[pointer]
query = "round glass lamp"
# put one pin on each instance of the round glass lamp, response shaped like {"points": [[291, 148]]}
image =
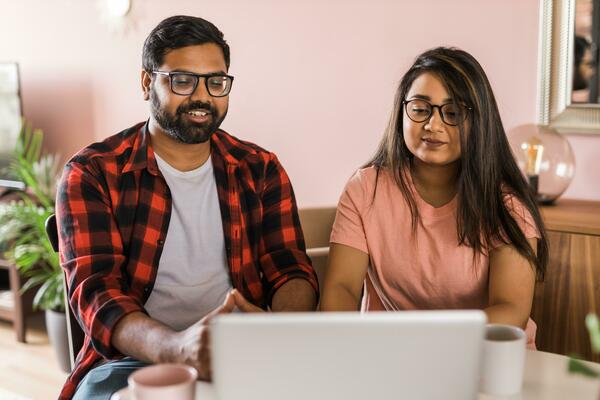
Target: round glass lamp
{"points": [[546, 159]]}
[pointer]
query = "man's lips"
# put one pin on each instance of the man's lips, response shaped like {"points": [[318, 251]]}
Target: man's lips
{"points": [[198, 115]]}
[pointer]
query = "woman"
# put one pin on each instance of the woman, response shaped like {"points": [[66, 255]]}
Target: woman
{"points": [[441, 217]]}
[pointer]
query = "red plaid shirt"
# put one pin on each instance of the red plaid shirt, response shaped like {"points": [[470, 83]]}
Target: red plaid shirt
{"points": [[113, 208]]}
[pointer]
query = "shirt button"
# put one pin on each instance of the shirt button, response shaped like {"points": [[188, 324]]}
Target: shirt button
{"points": [[160, 242]]}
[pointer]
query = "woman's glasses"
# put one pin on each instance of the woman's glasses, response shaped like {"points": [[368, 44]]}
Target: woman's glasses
{"points": [[421, 110]]}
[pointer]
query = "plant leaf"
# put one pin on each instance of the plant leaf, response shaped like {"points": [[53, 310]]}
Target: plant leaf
{"points": [[32, 282], [591, 322], [577, 367]]}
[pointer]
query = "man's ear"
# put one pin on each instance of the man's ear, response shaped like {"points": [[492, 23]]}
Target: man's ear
{"points": [[146, 82]]}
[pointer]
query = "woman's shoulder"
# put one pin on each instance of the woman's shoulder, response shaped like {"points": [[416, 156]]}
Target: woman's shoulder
{"points": [[364, 181], [367, 177], [369, 185], [357, 186], [365, 173]]}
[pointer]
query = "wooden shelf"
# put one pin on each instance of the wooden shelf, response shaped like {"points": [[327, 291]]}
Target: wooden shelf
{"points": [[18, 306], [573, 216], [7, 300], [4, 264]]}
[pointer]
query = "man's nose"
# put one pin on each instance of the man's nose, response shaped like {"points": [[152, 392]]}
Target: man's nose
{"points": [[201, 93]]}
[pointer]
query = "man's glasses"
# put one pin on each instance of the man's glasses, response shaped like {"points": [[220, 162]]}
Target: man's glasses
{"points": [[420, 111], [185, 83]]}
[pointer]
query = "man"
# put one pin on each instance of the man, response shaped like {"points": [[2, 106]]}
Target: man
{"points": [[172, 221]]}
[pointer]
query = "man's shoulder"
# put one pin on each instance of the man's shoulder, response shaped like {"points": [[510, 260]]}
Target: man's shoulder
{"points": [[241, 150], [113, 148]]}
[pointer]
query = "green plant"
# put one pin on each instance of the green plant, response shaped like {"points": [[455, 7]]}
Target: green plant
{"points": [[22, 223], [577, 366]]}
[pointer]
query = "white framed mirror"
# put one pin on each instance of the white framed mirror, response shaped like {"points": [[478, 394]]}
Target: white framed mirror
{"points": [[561, 107]]}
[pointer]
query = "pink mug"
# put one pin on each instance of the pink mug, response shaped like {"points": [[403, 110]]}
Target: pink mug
{"points": [[164, 381]]}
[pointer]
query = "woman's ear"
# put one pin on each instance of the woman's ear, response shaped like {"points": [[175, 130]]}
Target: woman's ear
{"points": [[146, 82]]}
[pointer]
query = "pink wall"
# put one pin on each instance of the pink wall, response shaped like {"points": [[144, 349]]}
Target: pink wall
{"points": [[314, 79]]}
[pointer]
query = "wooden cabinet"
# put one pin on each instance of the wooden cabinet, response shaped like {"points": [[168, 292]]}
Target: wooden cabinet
{"points": [[571, 288]]}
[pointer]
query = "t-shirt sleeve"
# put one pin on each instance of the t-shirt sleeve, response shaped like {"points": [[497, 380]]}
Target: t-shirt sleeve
{"points": [[522, 217], [348, 228]]}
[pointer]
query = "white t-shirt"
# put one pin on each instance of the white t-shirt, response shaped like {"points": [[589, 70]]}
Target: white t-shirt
{"points": [[193, 277]]}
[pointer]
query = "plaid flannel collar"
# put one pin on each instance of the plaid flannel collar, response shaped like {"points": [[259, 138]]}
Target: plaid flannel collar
{"points": [[142, 155]]}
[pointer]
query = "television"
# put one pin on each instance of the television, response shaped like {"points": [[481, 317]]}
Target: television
{"points": [[11, 117]]}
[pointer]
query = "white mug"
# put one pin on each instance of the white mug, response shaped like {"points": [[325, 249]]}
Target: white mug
{"points": [[503, 360], [164, 381]]}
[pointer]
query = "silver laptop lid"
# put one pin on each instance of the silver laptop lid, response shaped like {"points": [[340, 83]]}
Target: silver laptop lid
{"points": [[349, 356]]}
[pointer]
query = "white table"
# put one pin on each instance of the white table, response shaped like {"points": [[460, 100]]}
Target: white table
{"points": [[546, 378]]}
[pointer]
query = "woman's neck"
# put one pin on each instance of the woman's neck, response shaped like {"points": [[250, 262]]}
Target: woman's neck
{"points": [[436, 185]]}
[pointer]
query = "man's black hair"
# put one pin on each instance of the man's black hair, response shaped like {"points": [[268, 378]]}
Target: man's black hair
{"points": [[177, 32]]}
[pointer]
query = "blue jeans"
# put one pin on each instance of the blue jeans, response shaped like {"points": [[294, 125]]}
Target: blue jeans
{"points": [[102, 381]]}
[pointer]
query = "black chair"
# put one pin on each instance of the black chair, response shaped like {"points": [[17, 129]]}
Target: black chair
{"points": [[74, 331]]}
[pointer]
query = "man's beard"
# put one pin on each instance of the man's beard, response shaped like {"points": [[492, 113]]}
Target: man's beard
{"points": [[179, 128]]}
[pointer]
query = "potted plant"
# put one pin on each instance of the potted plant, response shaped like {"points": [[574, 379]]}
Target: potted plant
{"points": [[577, 366], [23, 236]]}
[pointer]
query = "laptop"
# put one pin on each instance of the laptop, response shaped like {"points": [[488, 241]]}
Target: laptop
{"points": [[348, 356]]}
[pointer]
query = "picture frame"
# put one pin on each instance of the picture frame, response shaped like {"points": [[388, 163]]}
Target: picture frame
{"points": [[555, 108]]}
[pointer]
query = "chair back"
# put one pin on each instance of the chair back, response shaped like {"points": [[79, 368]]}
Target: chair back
{"points": [[74, 332], [316, 225]]}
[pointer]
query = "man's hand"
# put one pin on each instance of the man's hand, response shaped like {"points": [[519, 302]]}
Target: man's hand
{"points": [[294, 295], [194, 342], [145, 339], [244, 305]]}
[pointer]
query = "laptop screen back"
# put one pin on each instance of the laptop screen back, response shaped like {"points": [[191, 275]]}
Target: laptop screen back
{"points": [[349, 356]]}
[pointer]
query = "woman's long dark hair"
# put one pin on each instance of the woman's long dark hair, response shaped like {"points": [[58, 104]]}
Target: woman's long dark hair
{"points": [[487, 169]]}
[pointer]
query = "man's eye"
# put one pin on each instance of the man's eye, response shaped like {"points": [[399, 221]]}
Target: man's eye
{"points": [[183, 80], [217, 81]]}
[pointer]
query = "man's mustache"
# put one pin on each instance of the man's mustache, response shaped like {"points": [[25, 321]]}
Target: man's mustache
{"points": [[185, 108]]}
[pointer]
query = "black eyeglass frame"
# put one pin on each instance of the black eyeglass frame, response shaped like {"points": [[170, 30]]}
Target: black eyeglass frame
{"points": [[197, 77], [439, 107]]}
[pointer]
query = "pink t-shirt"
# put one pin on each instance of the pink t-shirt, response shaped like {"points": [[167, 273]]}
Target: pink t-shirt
{"points": [[428, 271]]}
